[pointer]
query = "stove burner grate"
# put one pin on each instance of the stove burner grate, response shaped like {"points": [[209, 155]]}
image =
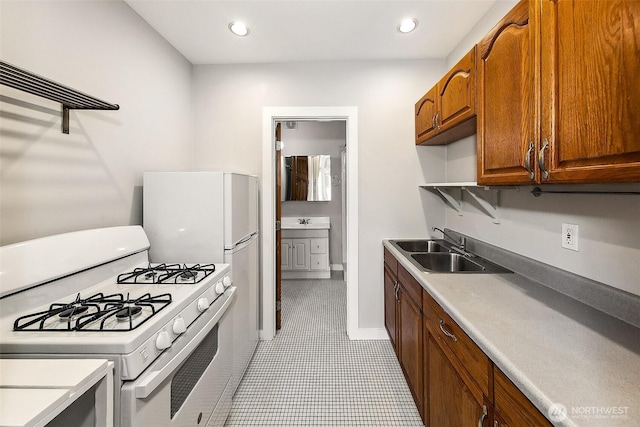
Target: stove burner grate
{"points": [[175, 274], [92, 314]]}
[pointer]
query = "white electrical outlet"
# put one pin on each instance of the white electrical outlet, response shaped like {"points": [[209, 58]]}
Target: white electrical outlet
{"points": [[570, 236]]}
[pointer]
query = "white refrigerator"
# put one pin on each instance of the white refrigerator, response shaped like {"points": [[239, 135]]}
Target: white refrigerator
{"points": [[210, 217]]}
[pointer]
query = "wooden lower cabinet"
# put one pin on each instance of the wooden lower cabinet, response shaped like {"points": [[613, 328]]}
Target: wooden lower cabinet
{"points": [[410, 337], [453, 382], [512, 408], [453, 401]]}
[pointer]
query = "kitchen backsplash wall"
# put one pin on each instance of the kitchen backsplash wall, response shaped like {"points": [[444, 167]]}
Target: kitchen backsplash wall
{"points": [[229, 101], [609, 231], [53, 183]]}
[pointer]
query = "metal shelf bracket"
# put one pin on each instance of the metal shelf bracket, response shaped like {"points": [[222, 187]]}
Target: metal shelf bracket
{"points": [[490, 207]]}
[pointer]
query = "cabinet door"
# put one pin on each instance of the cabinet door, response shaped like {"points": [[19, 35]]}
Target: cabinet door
{"points": [[285, 251], [300, 254], [410, 335], [425, 116], [457, 94], [390, 303], [453, 402], [590, 90], [506, 101]]}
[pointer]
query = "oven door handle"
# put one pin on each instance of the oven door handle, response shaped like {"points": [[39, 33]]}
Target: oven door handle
{"points": [[154, 378]]}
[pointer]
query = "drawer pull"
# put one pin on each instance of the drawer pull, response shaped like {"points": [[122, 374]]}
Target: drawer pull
{"points": [[447, 333], [483, 417]]}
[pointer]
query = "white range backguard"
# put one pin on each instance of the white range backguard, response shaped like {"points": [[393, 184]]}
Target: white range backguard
{"points": [[210, 217]]}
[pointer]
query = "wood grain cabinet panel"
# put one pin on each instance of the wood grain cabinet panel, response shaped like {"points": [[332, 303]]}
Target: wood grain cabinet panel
{"points": [[448, 111], [390, 304], [559, 97], [453, 402], [410, 342], [590, 91], [512, 408], [506, 101]]}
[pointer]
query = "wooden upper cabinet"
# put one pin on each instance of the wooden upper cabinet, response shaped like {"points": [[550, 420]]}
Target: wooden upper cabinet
{"points": [[506, 107], [426, 116], [457, 94], [559, 96], [590, 91], [448, 111]]}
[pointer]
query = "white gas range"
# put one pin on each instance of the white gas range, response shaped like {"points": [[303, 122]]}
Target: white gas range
{"points": [[94, 294]]}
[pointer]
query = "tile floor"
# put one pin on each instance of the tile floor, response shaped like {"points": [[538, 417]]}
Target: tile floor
{"points": [[312, 374]]}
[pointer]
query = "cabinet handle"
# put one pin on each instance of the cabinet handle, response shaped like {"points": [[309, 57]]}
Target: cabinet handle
{"points": [[483, 417], [496, 423], [543, 168], [447, 333], [397, 288], [527, 160], [436, 120]]}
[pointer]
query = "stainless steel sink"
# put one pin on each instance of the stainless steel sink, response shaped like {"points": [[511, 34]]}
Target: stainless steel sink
{"points": [[440, 256], [446, 262], [422, 245]]}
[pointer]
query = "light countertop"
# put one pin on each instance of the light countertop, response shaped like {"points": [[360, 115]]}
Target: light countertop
{"points": [[554, 348], [34, 391]]}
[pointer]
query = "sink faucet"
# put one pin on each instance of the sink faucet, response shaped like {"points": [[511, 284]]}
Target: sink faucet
{"points": [[304, 220], [461, 243]]}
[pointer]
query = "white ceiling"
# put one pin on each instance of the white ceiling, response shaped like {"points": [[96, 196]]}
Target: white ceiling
{"points": [[310, 30]]}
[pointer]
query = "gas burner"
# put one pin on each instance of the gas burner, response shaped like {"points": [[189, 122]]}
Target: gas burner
{"points": [[188, 275], [174, 274], [96, 313], [129, 312], [72, 313]]}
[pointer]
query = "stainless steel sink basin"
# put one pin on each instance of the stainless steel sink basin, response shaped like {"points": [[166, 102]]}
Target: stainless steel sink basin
{"points": [[446, 262], [422, 245], [440, 256]]}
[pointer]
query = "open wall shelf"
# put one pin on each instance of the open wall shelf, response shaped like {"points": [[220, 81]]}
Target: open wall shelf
{"points": [[70, 99], [451, 193]]}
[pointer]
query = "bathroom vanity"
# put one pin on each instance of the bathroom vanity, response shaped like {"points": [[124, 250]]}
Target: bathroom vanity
{"points": [[305, 248]]}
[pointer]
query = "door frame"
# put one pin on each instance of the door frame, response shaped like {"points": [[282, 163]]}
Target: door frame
{"points": [[268, 291]]}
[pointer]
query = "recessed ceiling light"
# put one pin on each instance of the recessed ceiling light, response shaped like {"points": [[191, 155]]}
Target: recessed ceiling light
{"points": [[239, 29], [407, 25]]}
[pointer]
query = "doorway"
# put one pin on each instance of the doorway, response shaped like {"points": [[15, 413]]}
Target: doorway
{"points": [[272, 115], [309, 176]]}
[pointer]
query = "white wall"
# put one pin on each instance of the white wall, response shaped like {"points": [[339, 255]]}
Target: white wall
{"points": [[327, 138], [609, 237], [53, 183], [228, 103]]}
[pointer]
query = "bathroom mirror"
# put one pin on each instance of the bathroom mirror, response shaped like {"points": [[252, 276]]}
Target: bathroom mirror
{"points": [[307, 178]]}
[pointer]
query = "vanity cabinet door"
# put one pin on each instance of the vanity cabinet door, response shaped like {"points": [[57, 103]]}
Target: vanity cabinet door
{"points": [[300, 258], [285, 251]]}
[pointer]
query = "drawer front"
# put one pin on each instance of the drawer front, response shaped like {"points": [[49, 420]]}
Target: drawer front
{"points": [[411, 285], [318, 246], [391, 262], [319, 262], [442, 326], [513, 406]]}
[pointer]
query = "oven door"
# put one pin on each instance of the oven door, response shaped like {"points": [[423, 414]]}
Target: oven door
{"points": [[184, 385]]}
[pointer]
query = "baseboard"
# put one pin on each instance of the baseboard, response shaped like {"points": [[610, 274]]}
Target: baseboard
{"points": [[336, 267], [369, 334]]}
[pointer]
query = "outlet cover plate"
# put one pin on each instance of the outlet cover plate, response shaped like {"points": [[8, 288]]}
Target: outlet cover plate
{"points": [[570, 236]]}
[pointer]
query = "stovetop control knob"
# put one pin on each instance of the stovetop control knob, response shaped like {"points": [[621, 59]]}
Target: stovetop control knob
{"points": [[219, 288], [163, 341], [203, 304], [226, 281], [178, 326]]}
